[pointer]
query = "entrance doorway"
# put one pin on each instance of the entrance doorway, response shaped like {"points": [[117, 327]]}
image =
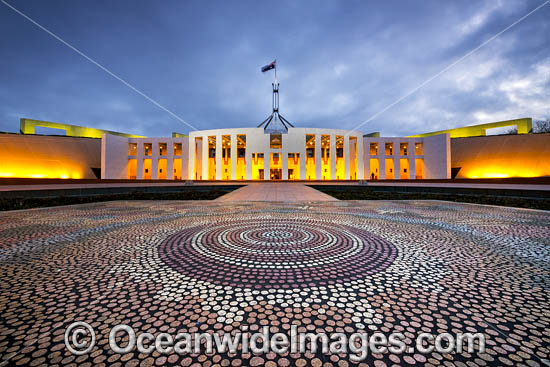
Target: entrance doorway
{"points": [[276, 174]]}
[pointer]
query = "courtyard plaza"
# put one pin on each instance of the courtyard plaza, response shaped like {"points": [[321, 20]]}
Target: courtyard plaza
{"points": [[320, 264]]}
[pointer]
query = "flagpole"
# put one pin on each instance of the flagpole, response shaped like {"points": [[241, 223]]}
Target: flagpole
{"points": [[275, 71]]}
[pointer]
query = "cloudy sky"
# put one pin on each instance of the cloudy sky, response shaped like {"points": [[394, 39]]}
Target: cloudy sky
{"points": [[340, 63]]}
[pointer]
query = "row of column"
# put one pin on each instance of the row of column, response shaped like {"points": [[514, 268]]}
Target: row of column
{"points": [[299, 147]]}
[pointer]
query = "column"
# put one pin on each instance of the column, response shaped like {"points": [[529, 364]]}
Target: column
{"points": [[333, 157], [284, 157], [139, 161], [382, 162], [190, 158], [155, 160], [396, 165], [303, 159], [412, 165], [318, 164], [248, 163], [266, 165], [366, 159], [347, 153], [233, 156], [360, 158]]}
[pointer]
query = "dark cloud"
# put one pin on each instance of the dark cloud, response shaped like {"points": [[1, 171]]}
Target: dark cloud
{"points": [[340, 63]]}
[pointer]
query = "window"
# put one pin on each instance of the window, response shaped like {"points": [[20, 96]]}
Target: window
{"points": [[419, 149], [275, 141], [389, 148], [147, 149], [403, 148], [132, 149], [162, 149], [373, 148], [177, 148]]}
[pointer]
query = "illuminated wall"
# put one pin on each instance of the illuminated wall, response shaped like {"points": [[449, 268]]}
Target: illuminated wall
{"points": [[212, 157], [275, 166], [374, 169], [419, 168], [524, 126], [226, 157], [501, 156], [27, 126], [162, 166], [240, 171], [325, 157], [36, 156], [198, 158], [177, 169], [293, 166], [310, 158], [132, 168], [340, 159], [257, 166]]}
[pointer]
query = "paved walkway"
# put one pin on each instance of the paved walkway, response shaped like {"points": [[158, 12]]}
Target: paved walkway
{"points": [[283, 191]]}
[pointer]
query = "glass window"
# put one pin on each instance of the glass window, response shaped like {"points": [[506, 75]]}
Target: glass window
{"points": [[177, 148], [162, 149], [404, 148], [373, 148], [389, 148], [147, 149], [275, 141]]}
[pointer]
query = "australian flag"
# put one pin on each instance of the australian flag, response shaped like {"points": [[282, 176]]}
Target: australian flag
{"points": [[269, 67]]}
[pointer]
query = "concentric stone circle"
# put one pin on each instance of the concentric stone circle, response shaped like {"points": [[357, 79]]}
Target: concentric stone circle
{"points": [[276, 253]]}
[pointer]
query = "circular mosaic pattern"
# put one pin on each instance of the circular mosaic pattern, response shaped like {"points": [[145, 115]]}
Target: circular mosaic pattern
{"points": [[459, 268], [276, 253]]}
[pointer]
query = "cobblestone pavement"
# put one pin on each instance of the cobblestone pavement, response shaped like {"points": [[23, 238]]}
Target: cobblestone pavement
{"points": [[342, 266]]}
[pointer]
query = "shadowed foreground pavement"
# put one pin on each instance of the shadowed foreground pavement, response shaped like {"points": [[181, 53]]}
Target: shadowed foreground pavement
{"points": [[168, 266]]}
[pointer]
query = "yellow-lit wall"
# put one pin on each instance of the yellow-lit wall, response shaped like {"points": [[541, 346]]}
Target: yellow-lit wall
{"points": [[502, 156], [35, 156], [257, 165], [294, 165], [374, 169], [340, 168], [275, 163], [404, 167], [211, 168], [162, 165], [226, 168], [325, 164], [177, 169], [419, 168], [241, 169], [147, 169], [524, 125], [310, 169], [390, 171], [132, 168], [27, 126]]}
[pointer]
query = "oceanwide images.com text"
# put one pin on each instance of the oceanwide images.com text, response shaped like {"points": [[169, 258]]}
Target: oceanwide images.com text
{"points": [[80, 339]]}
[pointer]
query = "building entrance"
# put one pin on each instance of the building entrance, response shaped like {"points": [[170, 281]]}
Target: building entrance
{"points": [[276, 174]]}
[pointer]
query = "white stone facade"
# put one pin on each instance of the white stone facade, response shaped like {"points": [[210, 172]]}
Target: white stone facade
{"points": [[299, 154]]}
